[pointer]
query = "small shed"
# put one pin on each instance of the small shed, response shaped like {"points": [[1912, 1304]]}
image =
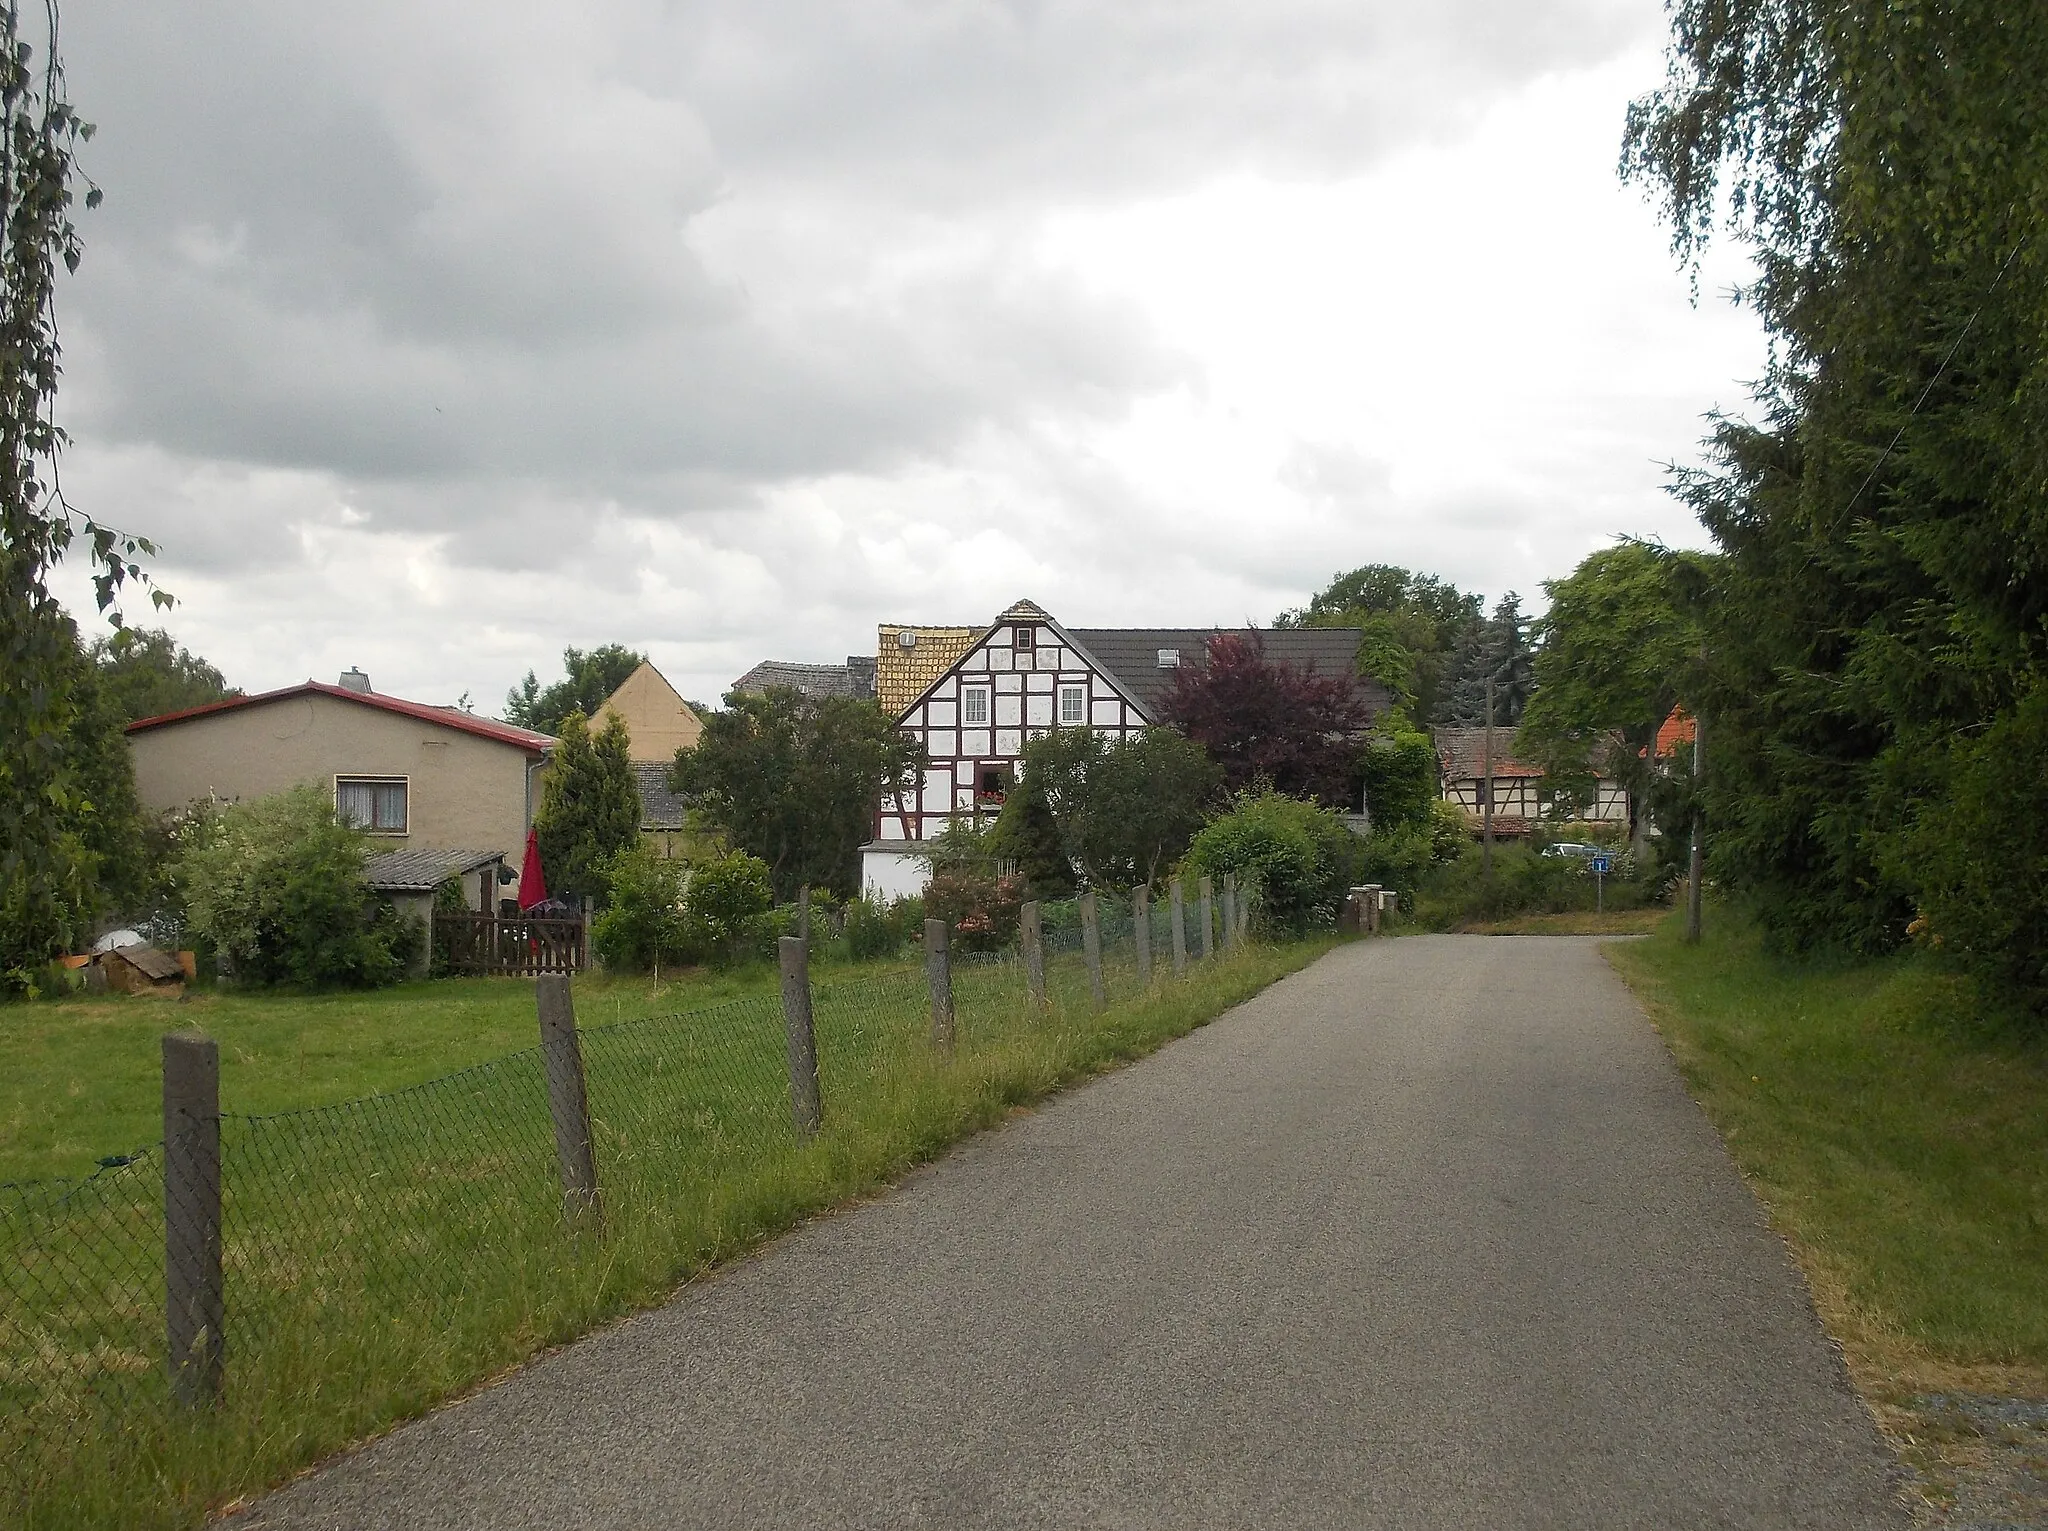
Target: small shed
{"points": [[142, 970], [410, 877]]}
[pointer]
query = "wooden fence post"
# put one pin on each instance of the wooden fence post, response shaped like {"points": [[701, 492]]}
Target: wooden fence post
{"points": [[1180, 929], [1031, 936], [1230, 911], [1207, 887], [561, 1057], [1091, 947], [938, 972], [1141, 932], [195, 1308], [803, 1041]]}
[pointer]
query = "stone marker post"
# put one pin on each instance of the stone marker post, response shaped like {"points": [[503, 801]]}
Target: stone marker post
{"points": [[1208, 901], [803, 1042], [1031, 937], [561, 1060], [1091, 947], [195, 1308], [938, 972]]}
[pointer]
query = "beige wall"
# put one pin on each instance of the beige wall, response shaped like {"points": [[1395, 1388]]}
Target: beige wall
{"points": [[465, 792], [658, 719]]}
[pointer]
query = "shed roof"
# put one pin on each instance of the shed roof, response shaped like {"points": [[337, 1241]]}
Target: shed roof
{"points": [[422, 869], [527, 739], [149, 961]]}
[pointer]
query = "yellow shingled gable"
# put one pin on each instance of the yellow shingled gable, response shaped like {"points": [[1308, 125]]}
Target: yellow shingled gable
{"points": [[901, 674]]}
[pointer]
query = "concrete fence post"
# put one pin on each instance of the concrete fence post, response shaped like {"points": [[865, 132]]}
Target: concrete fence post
{"points": [[1372, 908], [195, 1307], [938, 972], [803, 1042], [1031, 937], [561, 1058], [1230, 911], [1245, 895], [1180, 928], [1091, 947], [1141, 932], [1208, 901], [803, 914]]}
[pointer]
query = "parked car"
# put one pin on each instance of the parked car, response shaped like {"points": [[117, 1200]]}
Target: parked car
{"points": [[1573, 849]]}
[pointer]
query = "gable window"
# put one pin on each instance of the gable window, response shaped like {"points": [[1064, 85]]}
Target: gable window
{"points": [[1023, 638], [974, 707], [1073, 705], [375, 803]]}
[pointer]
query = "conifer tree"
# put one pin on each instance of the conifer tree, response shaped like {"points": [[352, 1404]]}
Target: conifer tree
{"points": [[590, 807]]}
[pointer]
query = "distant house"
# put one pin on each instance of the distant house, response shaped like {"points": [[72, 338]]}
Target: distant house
{"points": [[972, 697], [415, 777], [1521, 796], [855, 678], [659, 724]]}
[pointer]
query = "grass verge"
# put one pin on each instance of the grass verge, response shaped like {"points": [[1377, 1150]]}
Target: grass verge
{"points": [[1899, 1137], [383, 1255], [1614, 922]]}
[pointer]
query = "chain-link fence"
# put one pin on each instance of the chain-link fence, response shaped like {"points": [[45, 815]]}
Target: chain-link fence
{"points": [[379, 1253]]}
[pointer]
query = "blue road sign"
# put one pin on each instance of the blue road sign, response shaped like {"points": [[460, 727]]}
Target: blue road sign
{"points": [[1602, 866]]}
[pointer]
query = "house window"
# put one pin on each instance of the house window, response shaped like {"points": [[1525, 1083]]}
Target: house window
{"points": [[991, 785], [1073, 705], [375, 803], [974, 707], [1023, 638]]}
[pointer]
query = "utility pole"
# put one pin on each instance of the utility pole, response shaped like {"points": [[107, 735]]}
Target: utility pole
{"points": [[1696, 866]]}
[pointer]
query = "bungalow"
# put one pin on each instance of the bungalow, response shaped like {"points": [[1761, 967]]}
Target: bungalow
{"points": [[413, 776], [972, 697], [1520, 796]]}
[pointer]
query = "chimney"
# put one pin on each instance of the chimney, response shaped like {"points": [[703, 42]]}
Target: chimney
{"points": [[354, 680]]}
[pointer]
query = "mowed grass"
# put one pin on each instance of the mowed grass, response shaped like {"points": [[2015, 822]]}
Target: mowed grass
{"points": [[383, 1255], [84, 1076], [1586, 922], [1898, 1134]]}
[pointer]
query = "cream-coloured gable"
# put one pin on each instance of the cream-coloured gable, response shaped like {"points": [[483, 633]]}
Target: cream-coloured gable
{"points": [[658, 720]]}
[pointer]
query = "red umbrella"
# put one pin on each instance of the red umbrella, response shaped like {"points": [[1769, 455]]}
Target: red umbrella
{"points": [[533, 887]]}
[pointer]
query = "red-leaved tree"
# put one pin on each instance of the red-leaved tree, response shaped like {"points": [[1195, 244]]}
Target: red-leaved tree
{"points": [[1258, 719]]}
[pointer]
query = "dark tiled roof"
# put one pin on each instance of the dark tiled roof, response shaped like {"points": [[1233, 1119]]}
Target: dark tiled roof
{"points": [[855, 678], [659, 807], [1131, 655], [422, 869], [448, 717]]}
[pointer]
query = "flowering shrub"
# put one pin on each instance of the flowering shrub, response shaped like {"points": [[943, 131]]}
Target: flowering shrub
{"points": [[982, 908]]}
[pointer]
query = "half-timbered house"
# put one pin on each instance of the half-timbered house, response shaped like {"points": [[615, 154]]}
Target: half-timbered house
{"points": [[1521, 794], [972, 698]]}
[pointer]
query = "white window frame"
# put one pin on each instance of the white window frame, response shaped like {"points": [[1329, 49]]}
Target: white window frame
{"points": [[403, 783], [972, 696], [1078, 695]]}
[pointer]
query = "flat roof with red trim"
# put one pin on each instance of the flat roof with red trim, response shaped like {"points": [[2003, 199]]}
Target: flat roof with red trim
{"points": [[484, 728]]}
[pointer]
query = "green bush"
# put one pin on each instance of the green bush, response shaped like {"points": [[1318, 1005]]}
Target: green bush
{"points": [[1527, 882], [875, 929], [725, 909], [276, 885], [1400, 771], [1299, 857], [643, 923]]}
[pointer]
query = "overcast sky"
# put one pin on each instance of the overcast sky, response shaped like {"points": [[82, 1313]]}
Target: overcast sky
{"points": [[431, 338]]}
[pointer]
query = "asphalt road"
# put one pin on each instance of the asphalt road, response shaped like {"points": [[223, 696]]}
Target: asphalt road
{"points": [[1429, 1235]]}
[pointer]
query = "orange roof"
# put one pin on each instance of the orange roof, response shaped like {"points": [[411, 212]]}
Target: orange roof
{"points": [[1676, 733], [448, 717]]}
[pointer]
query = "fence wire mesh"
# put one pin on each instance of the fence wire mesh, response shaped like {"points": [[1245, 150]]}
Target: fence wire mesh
{"points": [[383, 1251]]}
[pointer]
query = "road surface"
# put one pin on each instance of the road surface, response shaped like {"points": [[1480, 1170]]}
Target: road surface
{"points": [[1428, 1235]]}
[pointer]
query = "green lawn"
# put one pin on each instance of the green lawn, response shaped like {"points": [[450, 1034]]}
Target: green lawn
{"points": [[384, 1253], [1898, 1135], [84, 1076]]}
